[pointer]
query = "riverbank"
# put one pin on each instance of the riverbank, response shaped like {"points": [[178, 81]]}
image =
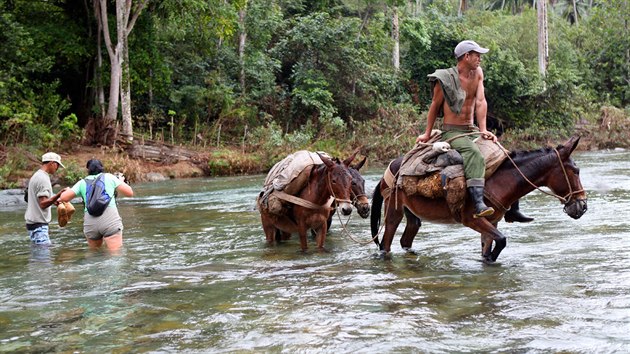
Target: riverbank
{"points": [[610, 131]]}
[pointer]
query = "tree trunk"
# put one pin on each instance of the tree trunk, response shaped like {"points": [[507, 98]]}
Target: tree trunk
{"points": [[575, 14], [123, 8], [463, 5], [120, 86], [396, 38], [242, 36], [98, 70], [418, 9], [543, 45]]}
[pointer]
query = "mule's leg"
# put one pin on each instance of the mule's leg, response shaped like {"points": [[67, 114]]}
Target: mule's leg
{"points": [[303, 244], [411, 230], [268, 228], [499, 245], [321, 236], [393, 217], [486, 247], [489, 233]]}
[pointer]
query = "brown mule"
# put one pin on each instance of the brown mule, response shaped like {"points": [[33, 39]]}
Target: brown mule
{"points": [[331, 179], [552, 168]]}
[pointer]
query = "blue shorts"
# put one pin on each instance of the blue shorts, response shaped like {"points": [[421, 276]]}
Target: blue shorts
{"points": [[39, 235]]}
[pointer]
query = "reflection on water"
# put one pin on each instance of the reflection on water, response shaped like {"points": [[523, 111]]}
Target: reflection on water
{"points": [[196, 275]]}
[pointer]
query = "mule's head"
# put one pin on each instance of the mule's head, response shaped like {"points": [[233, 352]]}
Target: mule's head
{"points": [[339, 182], [359, 198], [564, 180]]}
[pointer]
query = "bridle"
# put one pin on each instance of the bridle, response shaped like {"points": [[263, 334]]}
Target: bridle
{"points": [[355, 198], [332, 192], [565, 199]]}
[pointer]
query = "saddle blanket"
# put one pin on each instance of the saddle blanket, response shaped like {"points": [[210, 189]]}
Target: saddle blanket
{"points": [[290, 174]]}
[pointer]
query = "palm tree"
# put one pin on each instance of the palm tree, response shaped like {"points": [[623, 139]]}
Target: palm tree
{"points": [[572, 10]]}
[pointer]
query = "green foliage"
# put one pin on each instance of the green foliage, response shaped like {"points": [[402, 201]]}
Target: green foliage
{"points": [[9, 168], [72, 173], [313, 74], [606, 46], [34, 54], [439, 35]]}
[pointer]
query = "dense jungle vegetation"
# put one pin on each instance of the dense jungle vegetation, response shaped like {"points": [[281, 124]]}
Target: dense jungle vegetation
{"points": [[268, 77]]}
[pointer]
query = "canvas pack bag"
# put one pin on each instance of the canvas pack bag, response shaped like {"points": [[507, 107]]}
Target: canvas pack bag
{"points": [[96, 197]]}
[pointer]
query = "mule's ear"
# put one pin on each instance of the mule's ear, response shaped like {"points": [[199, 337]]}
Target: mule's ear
{"points": [[328, 162], [360, 164], [572, 144], [348, 161]]}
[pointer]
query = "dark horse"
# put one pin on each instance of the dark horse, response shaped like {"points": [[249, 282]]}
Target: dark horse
{"points": [[552, 168], [330, 179], [359, 198]]}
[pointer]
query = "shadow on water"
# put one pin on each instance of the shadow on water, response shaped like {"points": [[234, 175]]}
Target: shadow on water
{"points": [[195, 275]]}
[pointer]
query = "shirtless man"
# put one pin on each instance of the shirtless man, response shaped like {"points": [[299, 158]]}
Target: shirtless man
{"points": [[460, 104]]}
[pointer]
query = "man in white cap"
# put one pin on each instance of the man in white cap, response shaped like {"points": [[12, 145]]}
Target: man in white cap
{"points": [[40, 198], [460, 98]]}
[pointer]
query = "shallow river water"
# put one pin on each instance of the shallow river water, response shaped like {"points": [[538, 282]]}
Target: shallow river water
{"points": [[195, 275]]}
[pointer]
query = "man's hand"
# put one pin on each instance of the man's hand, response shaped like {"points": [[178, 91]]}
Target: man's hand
{"points": [[423, 138], [489, 136]]}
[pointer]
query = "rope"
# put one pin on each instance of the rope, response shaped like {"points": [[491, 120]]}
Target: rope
{"points": [[344, 225], [564, 199]]}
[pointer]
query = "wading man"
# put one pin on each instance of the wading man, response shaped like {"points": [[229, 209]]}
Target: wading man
{"points": [[40, 198]]}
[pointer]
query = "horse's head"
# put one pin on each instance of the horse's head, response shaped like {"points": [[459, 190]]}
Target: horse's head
{"points": [[359, 198], [564, 180], [339, 182]]}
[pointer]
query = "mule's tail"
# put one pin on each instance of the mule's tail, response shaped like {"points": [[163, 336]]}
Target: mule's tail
{"points": [[375, 213]]}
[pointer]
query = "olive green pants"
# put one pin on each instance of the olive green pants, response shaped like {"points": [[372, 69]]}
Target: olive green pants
{"points": [[474, 163]]}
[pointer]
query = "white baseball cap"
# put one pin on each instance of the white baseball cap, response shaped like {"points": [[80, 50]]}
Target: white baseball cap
{"points": [[469, 46], [52, 157]]}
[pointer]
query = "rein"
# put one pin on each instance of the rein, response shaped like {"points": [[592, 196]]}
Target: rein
{"points": [[564, 199]]}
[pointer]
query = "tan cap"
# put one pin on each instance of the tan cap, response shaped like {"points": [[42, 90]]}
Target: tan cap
{"points": [[51, 156]]}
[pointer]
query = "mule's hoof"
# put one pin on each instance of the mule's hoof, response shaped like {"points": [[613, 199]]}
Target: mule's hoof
{"points": [[488, 260], [380, 254], [410, 250]]}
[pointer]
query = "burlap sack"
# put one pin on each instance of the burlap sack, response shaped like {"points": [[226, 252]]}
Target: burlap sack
{"points": [[427, 186], [456, 195], [493, 155]]}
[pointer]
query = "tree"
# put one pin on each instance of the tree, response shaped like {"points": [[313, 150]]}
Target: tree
{"points": [[395, 38], [127, 13], [543, 37]]}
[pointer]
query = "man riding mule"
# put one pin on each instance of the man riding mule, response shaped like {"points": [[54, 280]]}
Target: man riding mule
{"points": [[519, 174], [458, 94], [299, 193]]}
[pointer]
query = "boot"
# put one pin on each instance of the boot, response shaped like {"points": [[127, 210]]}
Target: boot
{"points": [[481, 209], [515, 215]]}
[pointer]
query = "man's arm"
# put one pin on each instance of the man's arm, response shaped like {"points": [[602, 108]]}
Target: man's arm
{"points": [[481, 108], [46, 202], [436, 103]]}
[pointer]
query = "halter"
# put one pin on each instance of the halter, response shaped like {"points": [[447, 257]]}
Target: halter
{"points": [[332, 192], [355, 197], [344, 225], [563, 200]]}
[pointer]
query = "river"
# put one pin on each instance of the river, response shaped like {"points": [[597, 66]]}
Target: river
{"points": [[195, 275]]}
